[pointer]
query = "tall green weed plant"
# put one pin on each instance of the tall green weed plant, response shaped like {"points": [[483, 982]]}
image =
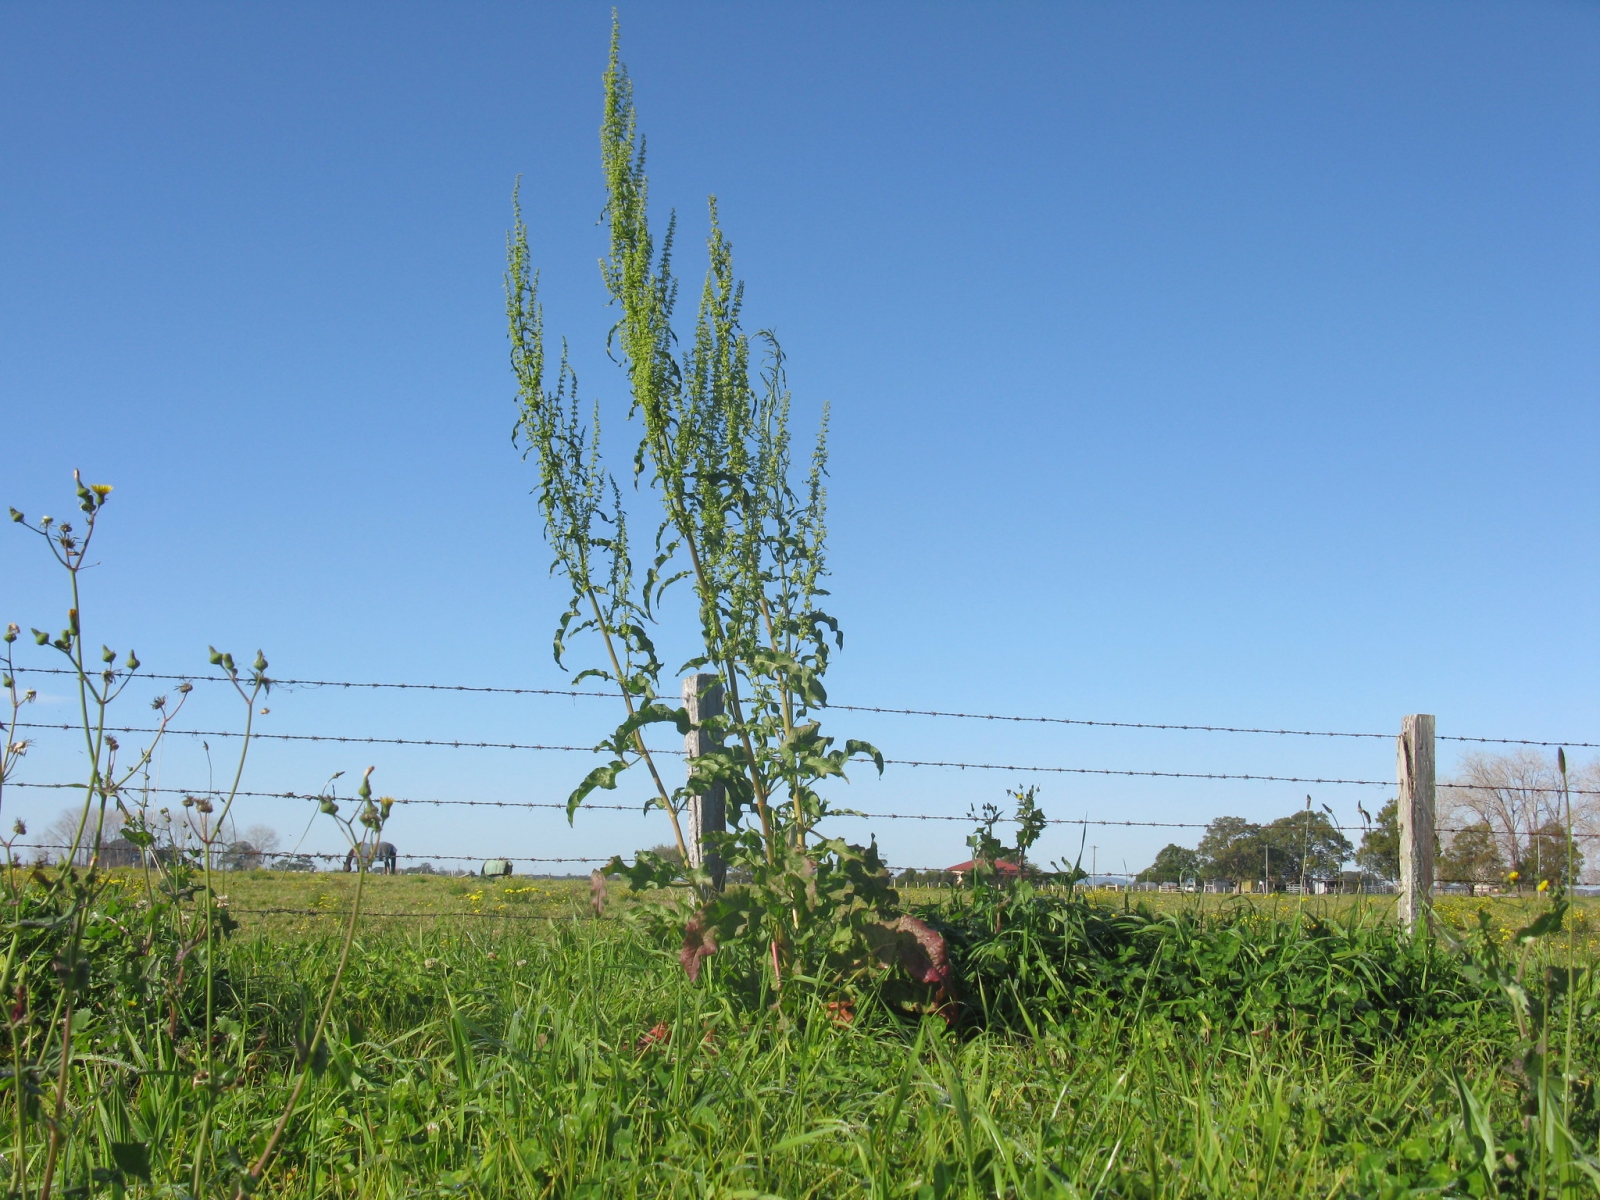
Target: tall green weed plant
{"points": [[745, 531]]}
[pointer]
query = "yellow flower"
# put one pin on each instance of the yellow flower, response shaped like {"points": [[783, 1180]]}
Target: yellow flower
{"points": [[100, 489], [1514, 876], [1544, 885]]}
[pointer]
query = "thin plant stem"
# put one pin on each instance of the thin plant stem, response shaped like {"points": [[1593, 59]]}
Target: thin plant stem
{"points": [[264, 1160]]}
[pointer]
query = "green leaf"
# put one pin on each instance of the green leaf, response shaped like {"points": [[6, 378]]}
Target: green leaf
{"points": [[1543, 925], [1479, 1129], [852, 747], [649, 714], [649, 871], [601, 777], [132, 1158]]}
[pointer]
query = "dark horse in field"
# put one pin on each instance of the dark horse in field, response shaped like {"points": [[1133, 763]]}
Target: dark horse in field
{"points": [[380, 856]]}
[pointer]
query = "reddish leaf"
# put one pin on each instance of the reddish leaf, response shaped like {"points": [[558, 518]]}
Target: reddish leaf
{"points": [[699, 944], [922, 952]]}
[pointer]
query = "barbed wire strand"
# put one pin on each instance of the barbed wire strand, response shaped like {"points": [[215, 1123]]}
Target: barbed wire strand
{"points": [[644, 810], [865, 708], [1316, 781]]}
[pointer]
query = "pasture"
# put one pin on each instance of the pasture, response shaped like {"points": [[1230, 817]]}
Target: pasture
{"points": [[491, 1038]]}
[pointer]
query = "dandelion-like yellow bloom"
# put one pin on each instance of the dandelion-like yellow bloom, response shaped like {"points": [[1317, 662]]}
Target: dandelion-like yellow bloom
{"points": [[1514, 876], [100, 489], [1544, 885]]}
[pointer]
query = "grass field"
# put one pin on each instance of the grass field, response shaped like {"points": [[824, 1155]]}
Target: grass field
{"points": [[519, 897], [536, 1051]]}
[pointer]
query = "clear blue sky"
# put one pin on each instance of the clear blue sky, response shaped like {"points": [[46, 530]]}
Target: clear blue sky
{"points": [[1229, 363]]}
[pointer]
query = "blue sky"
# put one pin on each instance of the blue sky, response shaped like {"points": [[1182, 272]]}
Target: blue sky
{"points": [[1228, 364]]}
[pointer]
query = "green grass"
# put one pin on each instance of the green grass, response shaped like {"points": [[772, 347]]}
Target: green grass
{"points": [[478, 1056]]}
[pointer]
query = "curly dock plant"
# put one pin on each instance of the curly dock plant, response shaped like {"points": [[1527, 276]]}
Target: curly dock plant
{"points": [[747, 531]]}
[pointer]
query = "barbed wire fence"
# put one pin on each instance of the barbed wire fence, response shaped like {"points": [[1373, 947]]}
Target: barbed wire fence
{"points": [[1084, 822]]}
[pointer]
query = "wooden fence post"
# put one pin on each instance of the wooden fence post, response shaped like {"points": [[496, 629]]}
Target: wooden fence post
{"points": [[702, 698], [1414, 763]]}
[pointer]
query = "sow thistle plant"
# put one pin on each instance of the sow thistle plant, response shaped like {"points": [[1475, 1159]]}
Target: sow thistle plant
{"points": [[747, 536], [95, 973]]}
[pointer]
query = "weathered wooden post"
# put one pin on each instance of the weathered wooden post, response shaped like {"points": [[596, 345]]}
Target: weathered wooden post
{"points": [[1414, 764], [702, 698]]}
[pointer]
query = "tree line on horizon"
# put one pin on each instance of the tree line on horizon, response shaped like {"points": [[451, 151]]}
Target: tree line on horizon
{"points": [[1503, 814]]}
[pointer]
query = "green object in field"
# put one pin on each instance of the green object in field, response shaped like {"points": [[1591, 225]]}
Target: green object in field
{"points": [[496, 866]]}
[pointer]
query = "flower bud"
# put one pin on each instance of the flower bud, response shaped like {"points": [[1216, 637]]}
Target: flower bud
{"points": [[12, 631], [329, 807], [16, 516], [41, 637], [47, 521], [261, 661], [107, 654], [72, 620], [19, 827], [133, 661], [365, 790], [215, 657]]}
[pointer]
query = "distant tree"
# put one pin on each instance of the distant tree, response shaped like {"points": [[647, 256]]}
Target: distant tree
{"points": [[1545, 856], [1473, 856], [1380, 846], [1173, 864], [242, 855], [264, 838], [1518, 795], [1305, 846], [60, 834], [1231, 849]]}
